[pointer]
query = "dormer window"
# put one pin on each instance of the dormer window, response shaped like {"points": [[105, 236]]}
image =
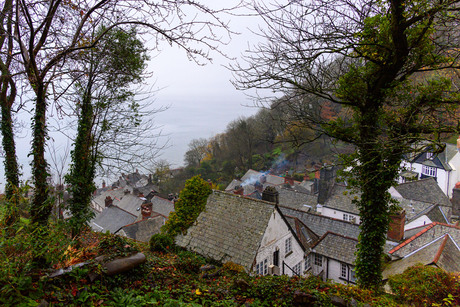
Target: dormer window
{"points": [[429, 156]]}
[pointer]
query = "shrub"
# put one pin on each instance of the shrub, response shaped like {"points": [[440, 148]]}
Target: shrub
{"points": [[233, 267], [424, 285], [161, 243], [189, 262], [116, 246], [191, 202]]}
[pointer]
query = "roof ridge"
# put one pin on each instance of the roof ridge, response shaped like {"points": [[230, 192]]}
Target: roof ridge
{"points": [[441, 248], [319, 215], [162, 198], [245, 197], [123, 210], [332, 233], [428, 227], [414, 181]]}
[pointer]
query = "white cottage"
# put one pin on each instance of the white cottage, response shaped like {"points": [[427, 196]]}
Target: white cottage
{"points": [[443, 167], [333, 257], [248, 232]]}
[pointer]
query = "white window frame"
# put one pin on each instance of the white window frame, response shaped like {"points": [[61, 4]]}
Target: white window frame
{"points": [[288, 245], [318, 260], [346, 217], [343, 270], [297, 268], [307, 262], [429, 155], [429, 171], [262, 267]]}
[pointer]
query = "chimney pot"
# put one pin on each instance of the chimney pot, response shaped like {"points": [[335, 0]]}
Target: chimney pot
{"points": [[270, 194]]}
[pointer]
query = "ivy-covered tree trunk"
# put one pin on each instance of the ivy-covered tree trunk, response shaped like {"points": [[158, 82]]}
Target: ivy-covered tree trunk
{"points": [[82, 171], [11, 163], [7, 97], [375, 173], [41, 205]]}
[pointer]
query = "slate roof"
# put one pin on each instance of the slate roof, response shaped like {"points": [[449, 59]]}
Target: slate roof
{"points": [[112, 219], [424, 236], [162, 206], [252, 176], [440, 160], [295, 199], [425, 190], [321, 224], [306, 235], [335, 246], [229, 229], [341, 199], [441, 252], [148, 188], [143, 229], [115, 194], [417, 196], [131, 203], [434, 212]]}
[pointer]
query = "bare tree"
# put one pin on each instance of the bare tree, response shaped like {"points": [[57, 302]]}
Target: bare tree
{"points": [[387, 64], [47, 33], [197, 150]]}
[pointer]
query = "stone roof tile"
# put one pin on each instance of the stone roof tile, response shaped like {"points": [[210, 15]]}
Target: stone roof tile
{"points": [[229, 229]]}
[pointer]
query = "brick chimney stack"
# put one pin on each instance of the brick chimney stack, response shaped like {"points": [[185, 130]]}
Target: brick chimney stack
{"points": [[146, 210], [108, 201], [396, 227], [103, 184], [239, 190], [456, 199]]}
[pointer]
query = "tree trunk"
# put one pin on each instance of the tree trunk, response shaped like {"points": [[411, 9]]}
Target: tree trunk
{"points": [[82, 172], [11, 163], [41, 206]]}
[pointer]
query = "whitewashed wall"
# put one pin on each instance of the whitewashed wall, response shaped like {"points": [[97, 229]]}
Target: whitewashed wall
{"points": [[274, 237], [337, 214]]}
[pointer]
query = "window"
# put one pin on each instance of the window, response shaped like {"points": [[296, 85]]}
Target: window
{"points": [[429, 155], [276, 258], [262, 267], [318, 260], [343, 270], [429, 171], [346, 217], [297, 268], [307, 262], [352, 275], [288, 245]]}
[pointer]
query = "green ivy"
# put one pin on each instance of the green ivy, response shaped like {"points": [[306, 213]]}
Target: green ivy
{"points": [[192, 201]]}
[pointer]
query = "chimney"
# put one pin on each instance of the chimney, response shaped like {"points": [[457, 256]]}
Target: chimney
{"points": [[396, 226], [458, 143], [289, 180], [325, 183], [263, 179], [108, 201], [146, 210], [239, 190], [103, 184], [456, 199], [271, 194], [259, 187]]}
